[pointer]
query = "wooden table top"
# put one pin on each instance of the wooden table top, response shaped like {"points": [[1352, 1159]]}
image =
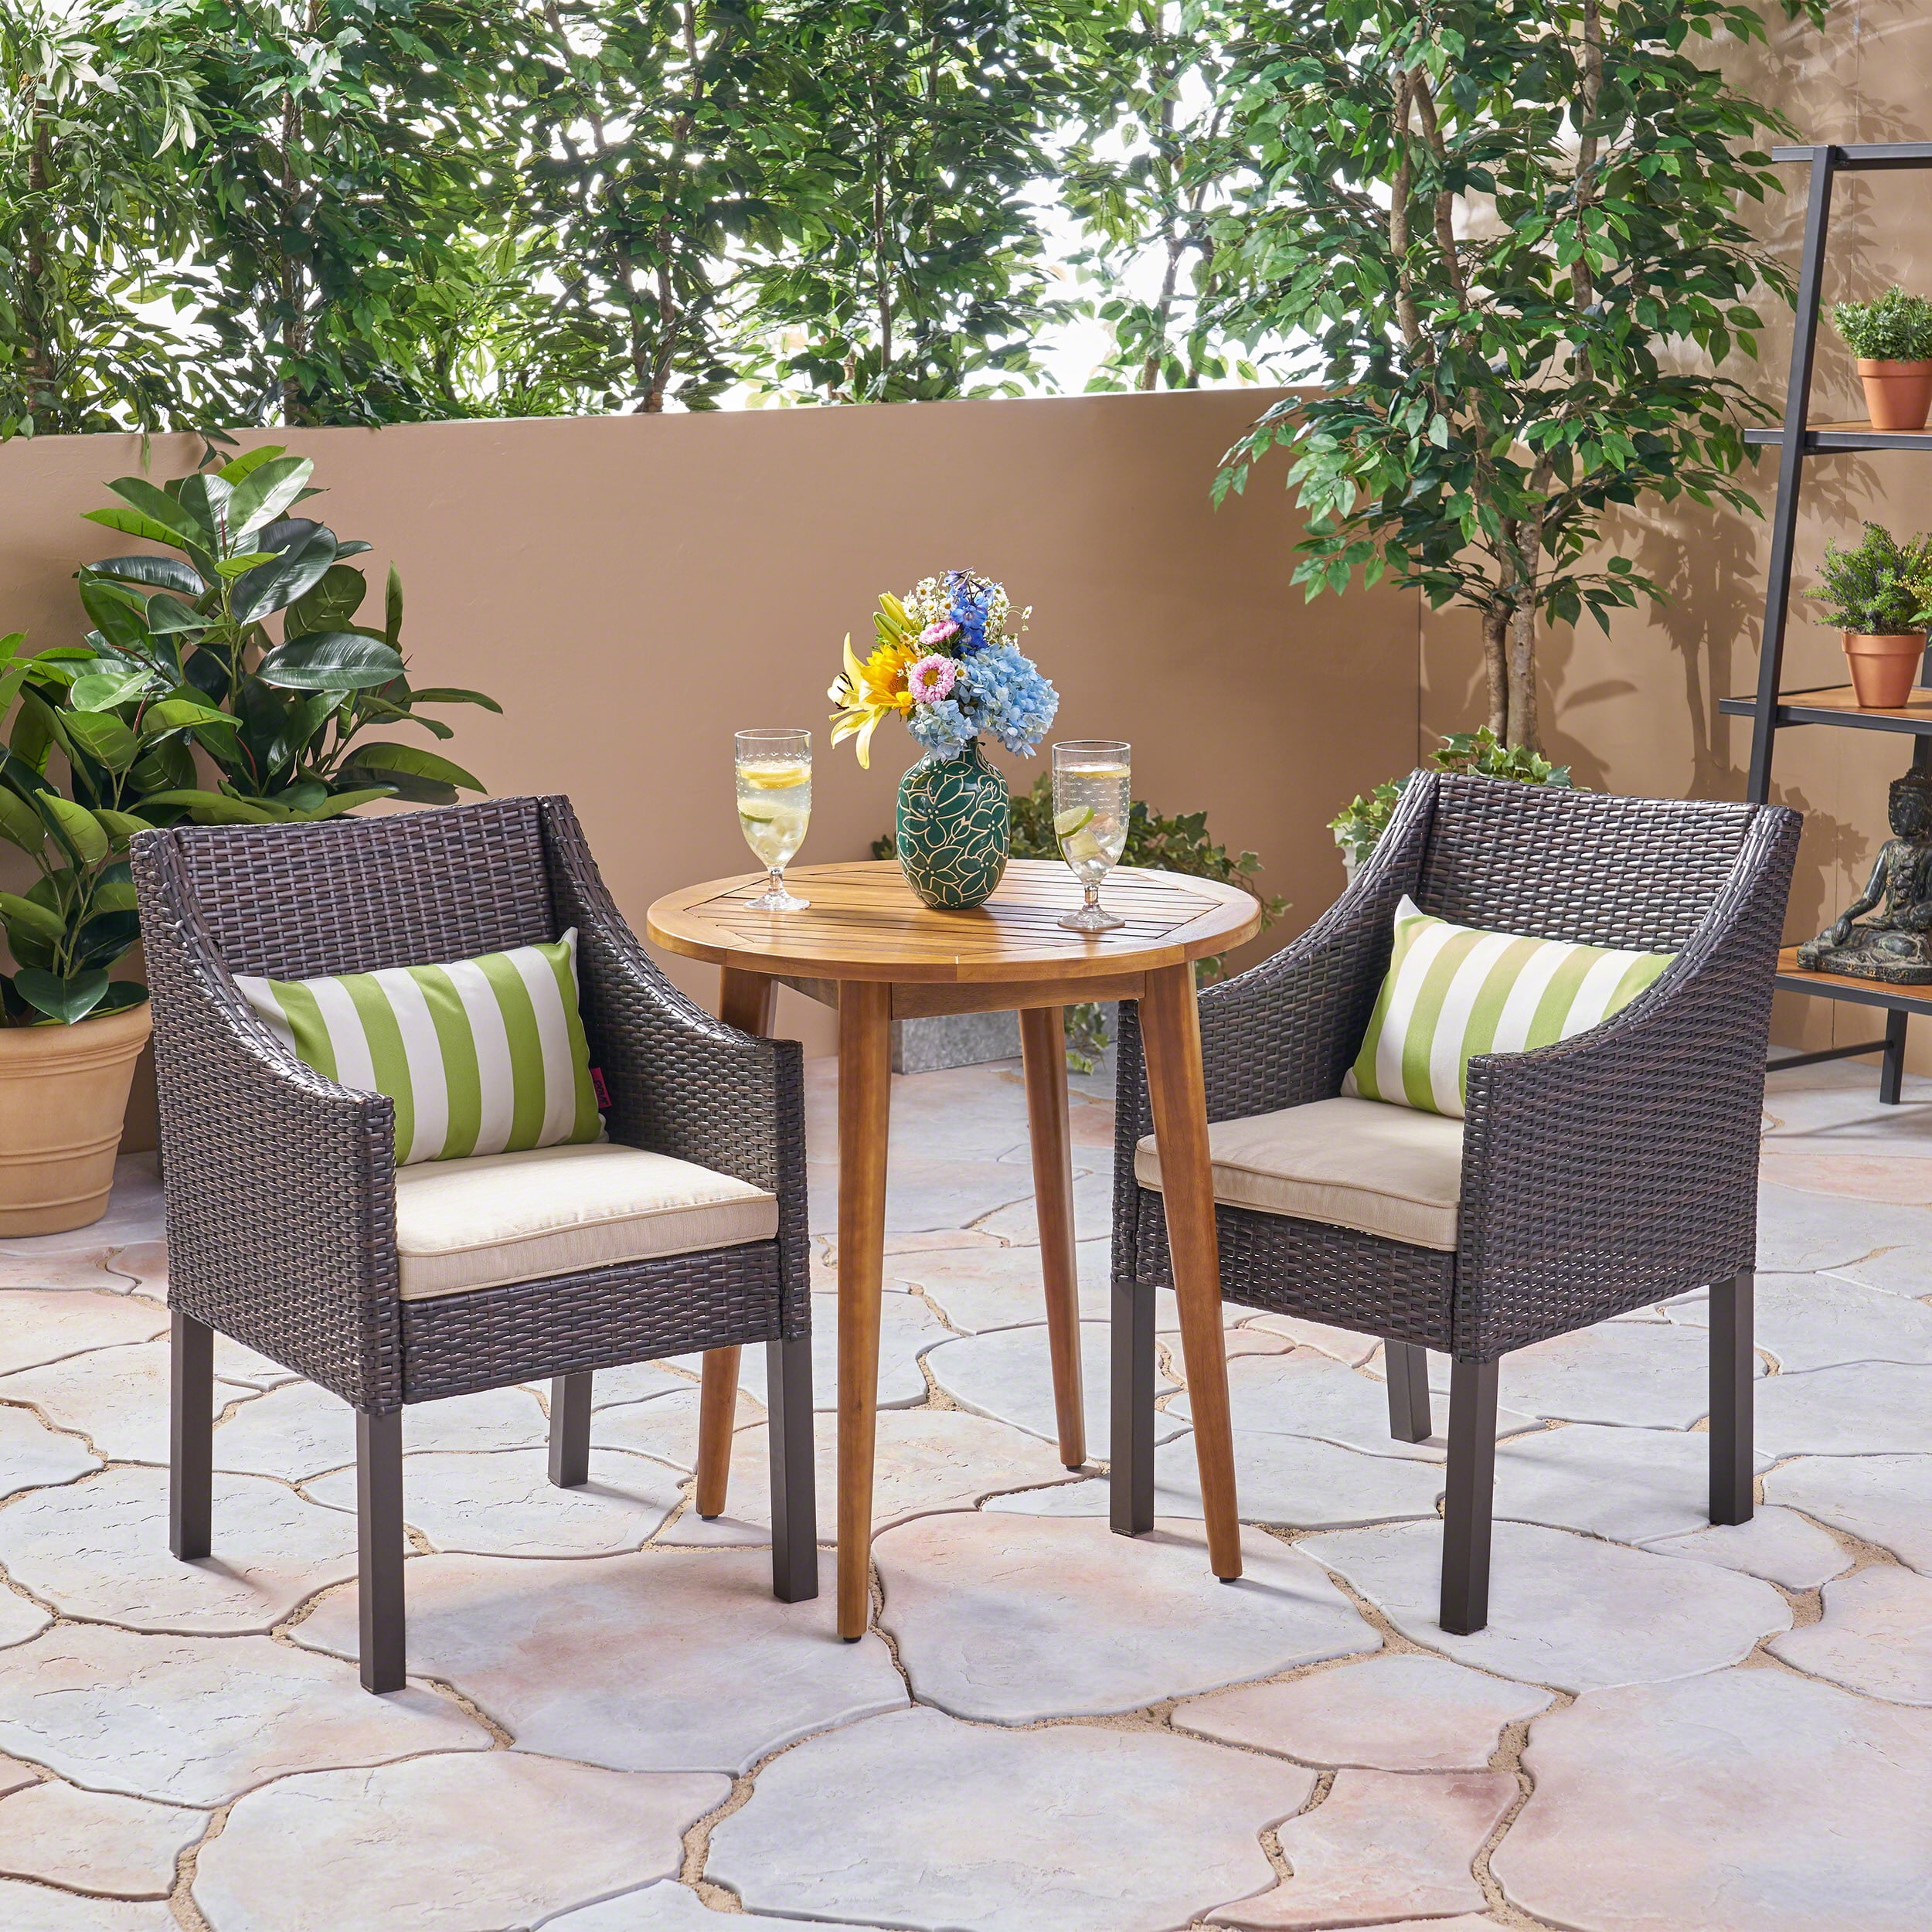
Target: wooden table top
{"points": [[865, 923]]}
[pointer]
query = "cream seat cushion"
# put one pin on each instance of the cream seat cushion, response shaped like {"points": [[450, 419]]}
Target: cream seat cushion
{"points": [[1394, 1172], [491, 1218]]}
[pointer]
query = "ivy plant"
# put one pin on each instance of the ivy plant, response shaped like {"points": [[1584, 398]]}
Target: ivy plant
{"points": [[186, 658]]}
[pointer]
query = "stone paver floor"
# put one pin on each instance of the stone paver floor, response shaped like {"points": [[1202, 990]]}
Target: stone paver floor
{"points": [[612, 1727]]}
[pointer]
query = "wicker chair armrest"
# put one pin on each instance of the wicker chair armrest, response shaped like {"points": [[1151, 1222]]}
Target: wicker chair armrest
{"points": [[280, 1183], [1617, 1166]]}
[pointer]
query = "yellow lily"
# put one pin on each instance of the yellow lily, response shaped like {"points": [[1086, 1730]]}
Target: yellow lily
{"points": [[868, 692]]}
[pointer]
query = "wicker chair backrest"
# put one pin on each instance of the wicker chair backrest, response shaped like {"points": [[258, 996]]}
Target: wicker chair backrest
{"points": [[351, 895], [1640, 873]]}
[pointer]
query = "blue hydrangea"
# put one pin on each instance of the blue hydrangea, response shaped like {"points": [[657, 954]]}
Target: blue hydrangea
{"points": [[942, 728], [1003, 693]]}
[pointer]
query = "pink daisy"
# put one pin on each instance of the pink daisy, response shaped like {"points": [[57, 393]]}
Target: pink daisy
{"points": [[931, 679]]}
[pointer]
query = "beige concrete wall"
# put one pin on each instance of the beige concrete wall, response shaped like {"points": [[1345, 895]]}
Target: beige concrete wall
{"points": [[634, 589], [1638, 711]]}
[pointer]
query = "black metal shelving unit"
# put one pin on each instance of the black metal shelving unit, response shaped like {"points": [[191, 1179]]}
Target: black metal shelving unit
{"points": [[1773, 710]]}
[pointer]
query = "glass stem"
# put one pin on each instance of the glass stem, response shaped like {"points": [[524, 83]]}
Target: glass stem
{"points": [[777, 881], [1093, 894]]}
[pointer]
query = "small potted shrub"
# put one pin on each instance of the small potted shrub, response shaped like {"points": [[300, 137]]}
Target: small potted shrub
{"points": [[71, 1032], [1892, 339], [1875, 594]]}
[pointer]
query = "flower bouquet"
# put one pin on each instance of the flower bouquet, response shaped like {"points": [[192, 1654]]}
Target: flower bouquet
{"points": [[946, 664]]}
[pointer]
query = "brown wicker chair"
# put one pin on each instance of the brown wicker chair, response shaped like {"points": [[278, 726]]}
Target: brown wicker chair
{"points": [[1597, 1175], [281, 1189]]}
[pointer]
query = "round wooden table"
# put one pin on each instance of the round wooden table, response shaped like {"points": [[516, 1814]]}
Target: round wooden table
{"points": [[869, 948]]}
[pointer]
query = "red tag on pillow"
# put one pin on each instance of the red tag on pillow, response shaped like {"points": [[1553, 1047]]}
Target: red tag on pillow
{"points": [[602, 1092]]}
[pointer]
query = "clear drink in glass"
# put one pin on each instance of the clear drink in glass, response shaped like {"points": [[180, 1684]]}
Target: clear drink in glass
{"points": [[1092, 792], [774, 806]]}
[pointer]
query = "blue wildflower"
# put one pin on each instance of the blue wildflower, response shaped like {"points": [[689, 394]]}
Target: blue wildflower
{"points": [[942, 727], [1003, 692], [971, 597]]}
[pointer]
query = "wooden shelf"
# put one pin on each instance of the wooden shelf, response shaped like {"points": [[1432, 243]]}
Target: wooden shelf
{"points": [[1836, 705], [1819, 436], [1863, 154], [1792, 978]]}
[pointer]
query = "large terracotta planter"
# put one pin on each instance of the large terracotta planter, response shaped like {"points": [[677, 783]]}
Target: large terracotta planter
{"points": [[1884, 669], [1898, 395], [63, 1092]]}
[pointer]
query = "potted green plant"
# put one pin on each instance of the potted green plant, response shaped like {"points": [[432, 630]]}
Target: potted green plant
{"points": [[1362, 822], [281, 717], [1892, 339], [1875, 594], [71, 1032]]}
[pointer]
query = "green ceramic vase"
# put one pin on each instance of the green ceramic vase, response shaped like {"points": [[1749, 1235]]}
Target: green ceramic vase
{"points": [[954, 826]]}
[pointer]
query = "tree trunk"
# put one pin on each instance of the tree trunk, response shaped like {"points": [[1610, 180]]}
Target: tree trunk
{"points": [[1495, 666], [1525, 730], [37, 311]]}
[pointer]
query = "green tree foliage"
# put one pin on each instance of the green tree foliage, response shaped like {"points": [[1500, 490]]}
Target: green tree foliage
{"points": [[98, 128], [1510, 230]]}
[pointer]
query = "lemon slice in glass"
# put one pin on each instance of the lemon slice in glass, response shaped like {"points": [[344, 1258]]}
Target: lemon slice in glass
{"points": [[772, 774], [1067, 823]]}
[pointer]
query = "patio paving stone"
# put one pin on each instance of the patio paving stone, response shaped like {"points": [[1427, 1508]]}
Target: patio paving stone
{"points": [[63, 1274], [907, 1328], [918, 1821], [675, 1908], [45, 1324], [1745, 1801], [1624, 1375], [1628, 1484], [125, 1847], [504, 1504], [1875, 1635], [928, 1460], [303, 1430], [670, 1661], [245, 1368], [1293, 1481], [1564, 1610], [1777, 1544], [116, 1397], [1381, 1842], [20, 1620], [33, 1908], [1307, 1393], [198, 1720], [99, 1549], [994, 1615], [1344, 1343], [925, 1193], [444, 1844], [1093, 1210], [136, 1212], [1886, 1500], [1008, 1374], [1399, 1711], [664, 1426], [145, 1262], [1812, 1320], [633, 1381], [998, 1286], [1799, 1231], [32, 1455], [1862, 1409]]}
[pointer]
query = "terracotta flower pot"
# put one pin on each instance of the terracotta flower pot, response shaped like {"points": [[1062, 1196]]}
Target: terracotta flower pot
{"points": [[63, 1092], [1884, 669], [1898, 395]]}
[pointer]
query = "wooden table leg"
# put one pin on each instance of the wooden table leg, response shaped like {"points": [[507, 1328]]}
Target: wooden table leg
{"points": [[1171, 1028], [865, 1105], [1043, 1040], [745, 1001]]}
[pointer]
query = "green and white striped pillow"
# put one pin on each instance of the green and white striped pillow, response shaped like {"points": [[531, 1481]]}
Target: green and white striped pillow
{"points": [[484, 1056], [1453, 991]]}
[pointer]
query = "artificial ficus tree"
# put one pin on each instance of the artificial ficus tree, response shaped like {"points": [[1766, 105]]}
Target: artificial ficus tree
{"points": [[1510, 230]]}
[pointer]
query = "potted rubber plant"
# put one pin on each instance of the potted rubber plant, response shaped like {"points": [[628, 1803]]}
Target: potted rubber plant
{"points": [[1892, 339], [71, 1032], [255, 620], [1875, 594]]}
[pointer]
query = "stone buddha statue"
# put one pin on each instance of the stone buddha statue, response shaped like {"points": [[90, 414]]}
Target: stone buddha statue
{"points": [[1885, 933]]}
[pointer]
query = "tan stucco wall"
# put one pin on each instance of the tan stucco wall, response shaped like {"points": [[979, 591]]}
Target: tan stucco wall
{"points": [[634, 589], [1638, 711]]}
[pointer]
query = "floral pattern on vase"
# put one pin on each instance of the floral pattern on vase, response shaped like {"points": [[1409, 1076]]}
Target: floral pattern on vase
{"points": [[954, 829]]}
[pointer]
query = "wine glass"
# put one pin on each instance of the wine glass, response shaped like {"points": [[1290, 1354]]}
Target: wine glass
{"points": [[1091, 795], [774, 806]]}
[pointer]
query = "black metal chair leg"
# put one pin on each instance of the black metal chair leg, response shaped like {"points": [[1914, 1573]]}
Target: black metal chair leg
{"points": [[570, 1430], [1471, 1493], [794, 1495], [1892, 1064], [191, 1436], [1407, 1365], [379, 1541], [1130, 1445], [1733, 1363]]}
